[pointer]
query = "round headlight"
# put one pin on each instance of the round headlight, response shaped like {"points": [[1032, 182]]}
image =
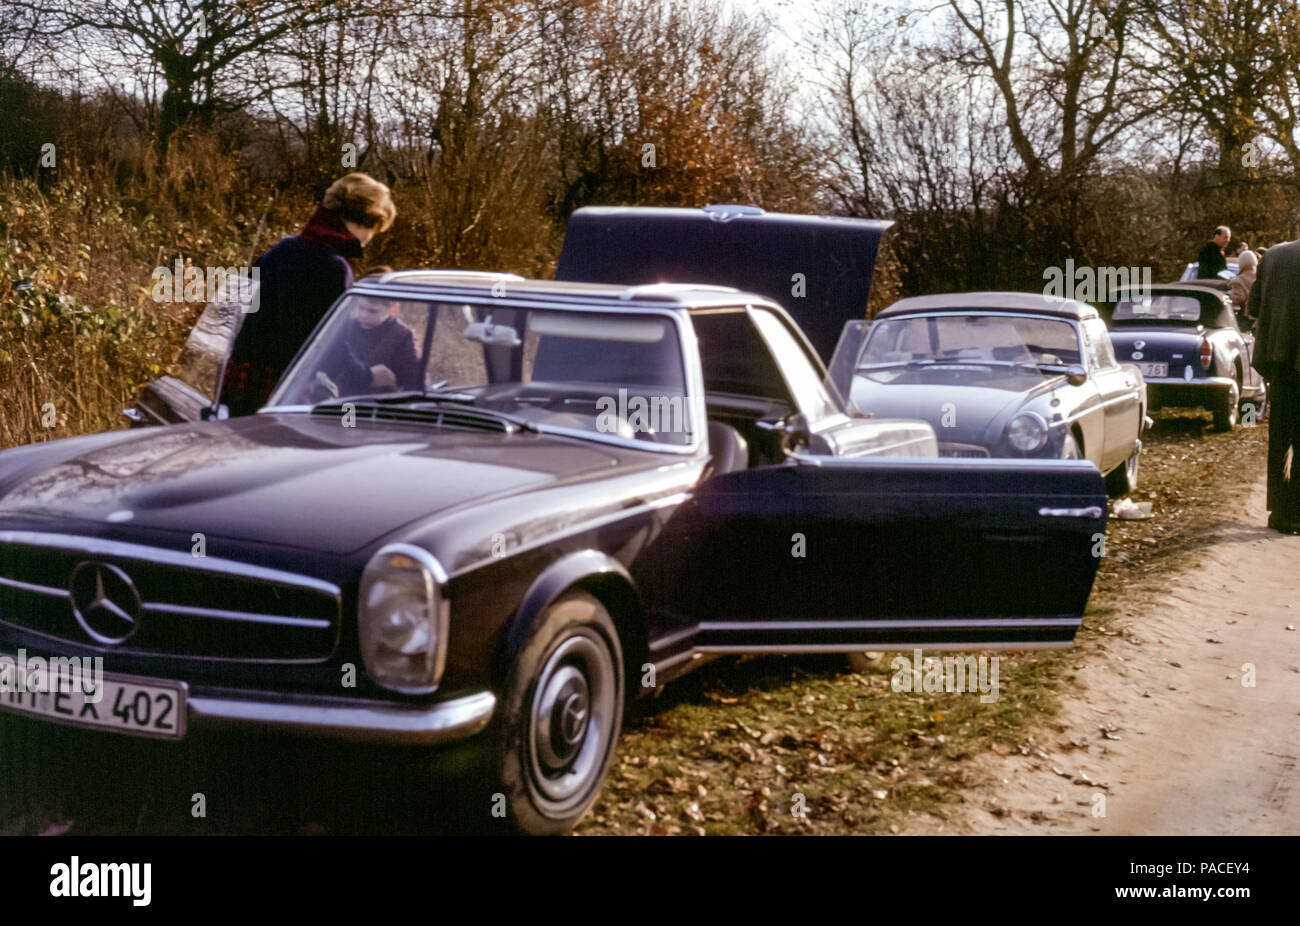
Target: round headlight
{"points": [[1027, 432], [402, 619]]}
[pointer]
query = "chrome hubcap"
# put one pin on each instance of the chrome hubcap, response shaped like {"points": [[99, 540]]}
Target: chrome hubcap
{"points": [[572, 711], [563, 717]]}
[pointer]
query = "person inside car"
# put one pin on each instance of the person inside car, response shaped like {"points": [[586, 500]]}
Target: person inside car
{"points": [[384, 344]]}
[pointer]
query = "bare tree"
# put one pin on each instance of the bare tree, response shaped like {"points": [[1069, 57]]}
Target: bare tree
{"points": [[1231, 64], [191, 46]]}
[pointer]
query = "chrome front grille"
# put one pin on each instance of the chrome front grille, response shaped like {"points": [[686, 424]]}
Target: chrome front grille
{"points": [[183, 606], [962, 450]]}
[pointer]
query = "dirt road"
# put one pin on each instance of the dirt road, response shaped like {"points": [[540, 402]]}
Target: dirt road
{"points": [[1163, 732]]}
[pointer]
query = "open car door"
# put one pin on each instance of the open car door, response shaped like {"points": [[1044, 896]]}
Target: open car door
{"points": [[831, 554]]}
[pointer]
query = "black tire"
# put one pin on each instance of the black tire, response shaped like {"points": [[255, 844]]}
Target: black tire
{"points": [[549, 764], [1259, 407], [1124, 479], [1225, 410]]}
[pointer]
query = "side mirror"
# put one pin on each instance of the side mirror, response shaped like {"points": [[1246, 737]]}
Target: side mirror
{"points": [[1076, 375], [208, 413], [794, 430]]}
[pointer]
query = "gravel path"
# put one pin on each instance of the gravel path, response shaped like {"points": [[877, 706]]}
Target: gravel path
{"points": [[1163, 733]]}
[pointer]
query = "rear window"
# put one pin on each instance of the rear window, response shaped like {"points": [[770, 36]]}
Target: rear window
{"points": [[1158, 308]]}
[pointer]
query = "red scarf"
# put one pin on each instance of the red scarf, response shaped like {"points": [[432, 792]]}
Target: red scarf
{"points": [[325, 227]]}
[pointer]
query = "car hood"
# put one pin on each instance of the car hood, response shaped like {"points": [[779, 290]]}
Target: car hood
{"points": [[287, 479], [817, 267], [958, 414]]}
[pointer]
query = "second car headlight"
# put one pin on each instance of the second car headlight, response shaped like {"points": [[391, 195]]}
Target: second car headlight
{"points": [[403, 618], [1027, 432]]}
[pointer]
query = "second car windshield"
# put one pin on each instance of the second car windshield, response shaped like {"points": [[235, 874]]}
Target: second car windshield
{"points": [[620, 375], [1025, 343]]}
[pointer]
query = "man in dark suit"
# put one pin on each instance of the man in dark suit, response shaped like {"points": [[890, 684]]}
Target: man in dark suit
{"points": [[1275, 301], [1211, 260]]}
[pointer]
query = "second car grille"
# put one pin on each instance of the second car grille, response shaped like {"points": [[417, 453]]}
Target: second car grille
{"points": [[962, 450], [170, 603]]}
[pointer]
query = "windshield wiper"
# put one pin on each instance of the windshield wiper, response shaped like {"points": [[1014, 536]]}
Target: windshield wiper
{"points": [[406, 395], [1040, 366], [895, 364], [938, 361]]}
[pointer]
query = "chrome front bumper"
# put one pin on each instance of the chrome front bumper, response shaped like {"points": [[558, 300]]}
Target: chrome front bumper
{"points": [[1198, 382], [1176, 392], [424, 725]]}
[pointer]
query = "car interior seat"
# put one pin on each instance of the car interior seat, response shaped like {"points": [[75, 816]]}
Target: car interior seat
{"points": [[729, 450]]}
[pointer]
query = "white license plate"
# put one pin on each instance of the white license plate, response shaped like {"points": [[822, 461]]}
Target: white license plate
{"points": [[139, 707], [1154, 369]]}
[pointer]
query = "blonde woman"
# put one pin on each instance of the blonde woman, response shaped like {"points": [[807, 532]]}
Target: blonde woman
{"points": [[300, 277]]}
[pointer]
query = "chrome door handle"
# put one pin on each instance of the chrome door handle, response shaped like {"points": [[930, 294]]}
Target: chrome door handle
{"points": [[1092, 511]]}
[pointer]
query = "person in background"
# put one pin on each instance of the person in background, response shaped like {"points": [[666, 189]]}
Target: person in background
{"points": [[300, 278], [1245, 279], [1210, 262], [1275, 301]]}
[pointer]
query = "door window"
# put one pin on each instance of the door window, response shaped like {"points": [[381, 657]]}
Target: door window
{"points": [[805, 382]]}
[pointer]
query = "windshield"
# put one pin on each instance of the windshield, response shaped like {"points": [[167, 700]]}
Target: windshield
{"points": [[1007, 344], [1163, 308], [611, 374]]}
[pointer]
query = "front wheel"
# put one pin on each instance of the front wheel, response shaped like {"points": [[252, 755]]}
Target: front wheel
{"points": [[562, 715]]}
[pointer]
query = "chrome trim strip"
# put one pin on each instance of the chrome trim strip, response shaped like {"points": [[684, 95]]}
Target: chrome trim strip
{"points": [[667, 662], [862, 647], [38, 589], [906, 623], [630, 443], [282, 620], [1221, 382], [448, 275], [1092, 511], [94, 546], [391, 723], [968, 462]]}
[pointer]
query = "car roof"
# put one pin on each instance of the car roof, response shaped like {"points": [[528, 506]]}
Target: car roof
{"points": [[1029, 303], [474, 285]]}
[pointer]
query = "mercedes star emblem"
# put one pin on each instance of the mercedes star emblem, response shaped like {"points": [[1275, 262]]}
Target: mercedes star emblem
{"points": [[105, 602]]}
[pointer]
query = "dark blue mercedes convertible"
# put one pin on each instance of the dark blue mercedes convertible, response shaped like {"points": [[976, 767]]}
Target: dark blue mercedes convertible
{"points": [[596, 485]]}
